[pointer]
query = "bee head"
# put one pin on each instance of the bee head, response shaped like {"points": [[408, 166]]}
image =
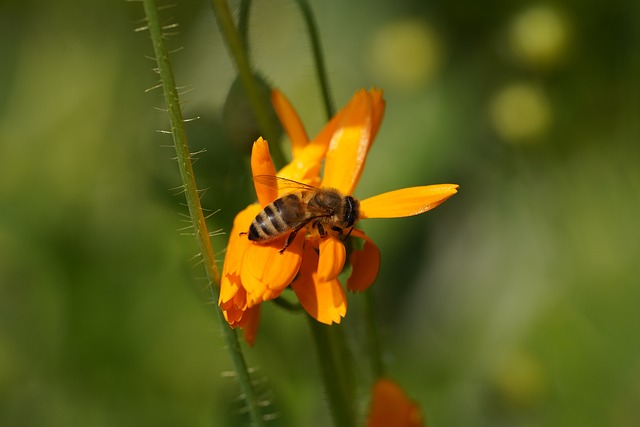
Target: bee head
{"points": [[351, 212]]}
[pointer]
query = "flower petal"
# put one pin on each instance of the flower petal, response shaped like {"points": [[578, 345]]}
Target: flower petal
{"points": [[377, 109], [234, 309], [230, 280], [332, 257], [365, 264], [261, 164], [305, 167], [306, 163], [407, 201], [390, 407], [290, 121], [325, 301], [249, 324], [352, 139], [266, 272]]}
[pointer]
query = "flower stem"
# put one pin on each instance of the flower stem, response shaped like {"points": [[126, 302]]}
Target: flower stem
{"points": [[375, 352], [243, 23], [183, 157], [321, 69], [287, 305], [336, 369], [237, 48]]}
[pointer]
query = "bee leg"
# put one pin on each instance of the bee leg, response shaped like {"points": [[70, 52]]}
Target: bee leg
{"points": [[320, 229], [348, 234], [289, 241], [341, 232]]}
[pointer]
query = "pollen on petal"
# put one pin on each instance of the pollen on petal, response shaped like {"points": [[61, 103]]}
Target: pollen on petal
{"points": [[407, 201], [332, 257], [261, 164]]}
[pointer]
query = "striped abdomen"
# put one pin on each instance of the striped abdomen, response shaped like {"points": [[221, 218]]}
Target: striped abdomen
{"points": [[277, 218]]}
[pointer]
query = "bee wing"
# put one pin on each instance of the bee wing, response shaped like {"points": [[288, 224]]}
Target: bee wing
{"points": [[281, 184]]}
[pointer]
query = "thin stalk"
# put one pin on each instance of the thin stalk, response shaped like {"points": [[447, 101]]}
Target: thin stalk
{"points": [[336, 371], [243, 22], [287, 305], [183, 157], [239, 53], [375, 353], [316, 46]]}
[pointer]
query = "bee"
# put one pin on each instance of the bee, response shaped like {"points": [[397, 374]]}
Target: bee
{"points": [[323, 208]]}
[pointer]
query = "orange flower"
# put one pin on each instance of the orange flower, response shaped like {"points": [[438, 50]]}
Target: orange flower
{"points": [[255, 272], [390, 407]]}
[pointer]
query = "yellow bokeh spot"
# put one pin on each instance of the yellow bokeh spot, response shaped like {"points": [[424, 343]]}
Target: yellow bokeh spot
{"points": [[405, 54], [539, 36], [520, 112], [521, 382]]}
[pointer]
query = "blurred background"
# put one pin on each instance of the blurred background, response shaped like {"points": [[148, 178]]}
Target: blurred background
{"points": [[513, 304]]}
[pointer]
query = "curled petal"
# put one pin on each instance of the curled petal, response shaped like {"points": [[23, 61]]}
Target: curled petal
{"points": [[266, 272], [332, 257], [407, 201], [229, 286], [290, 122], [365, 264], [390, 407], [233, 309], [249, 324], [261, 164], [350, 143], [325, 301]]}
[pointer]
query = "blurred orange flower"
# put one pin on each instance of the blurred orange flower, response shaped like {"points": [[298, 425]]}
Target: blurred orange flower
{"points": [[390, 407], [255, 272]]}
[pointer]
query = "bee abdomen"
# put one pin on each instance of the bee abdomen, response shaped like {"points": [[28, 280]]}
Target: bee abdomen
{"points": [[268, 224]]}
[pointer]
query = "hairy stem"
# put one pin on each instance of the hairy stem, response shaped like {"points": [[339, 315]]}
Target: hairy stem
{"points": [[336, 370], [193, 201]]}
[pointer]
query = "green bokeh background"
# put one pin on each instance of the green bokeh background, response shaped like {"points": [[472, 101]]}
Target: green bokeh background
{"points": [[515, 303]]}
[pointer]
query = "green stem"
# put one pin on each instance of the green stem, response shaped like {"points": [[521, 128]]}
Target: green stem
{"points": [[183, 157], [243, 23], [321, 69], [287, 305], [336, 369], [375, 353], [239, 53]]}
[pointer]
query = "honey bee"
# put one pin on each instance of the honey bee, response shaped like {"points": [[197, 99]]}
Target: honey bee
{"points": [[323, 208]]}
